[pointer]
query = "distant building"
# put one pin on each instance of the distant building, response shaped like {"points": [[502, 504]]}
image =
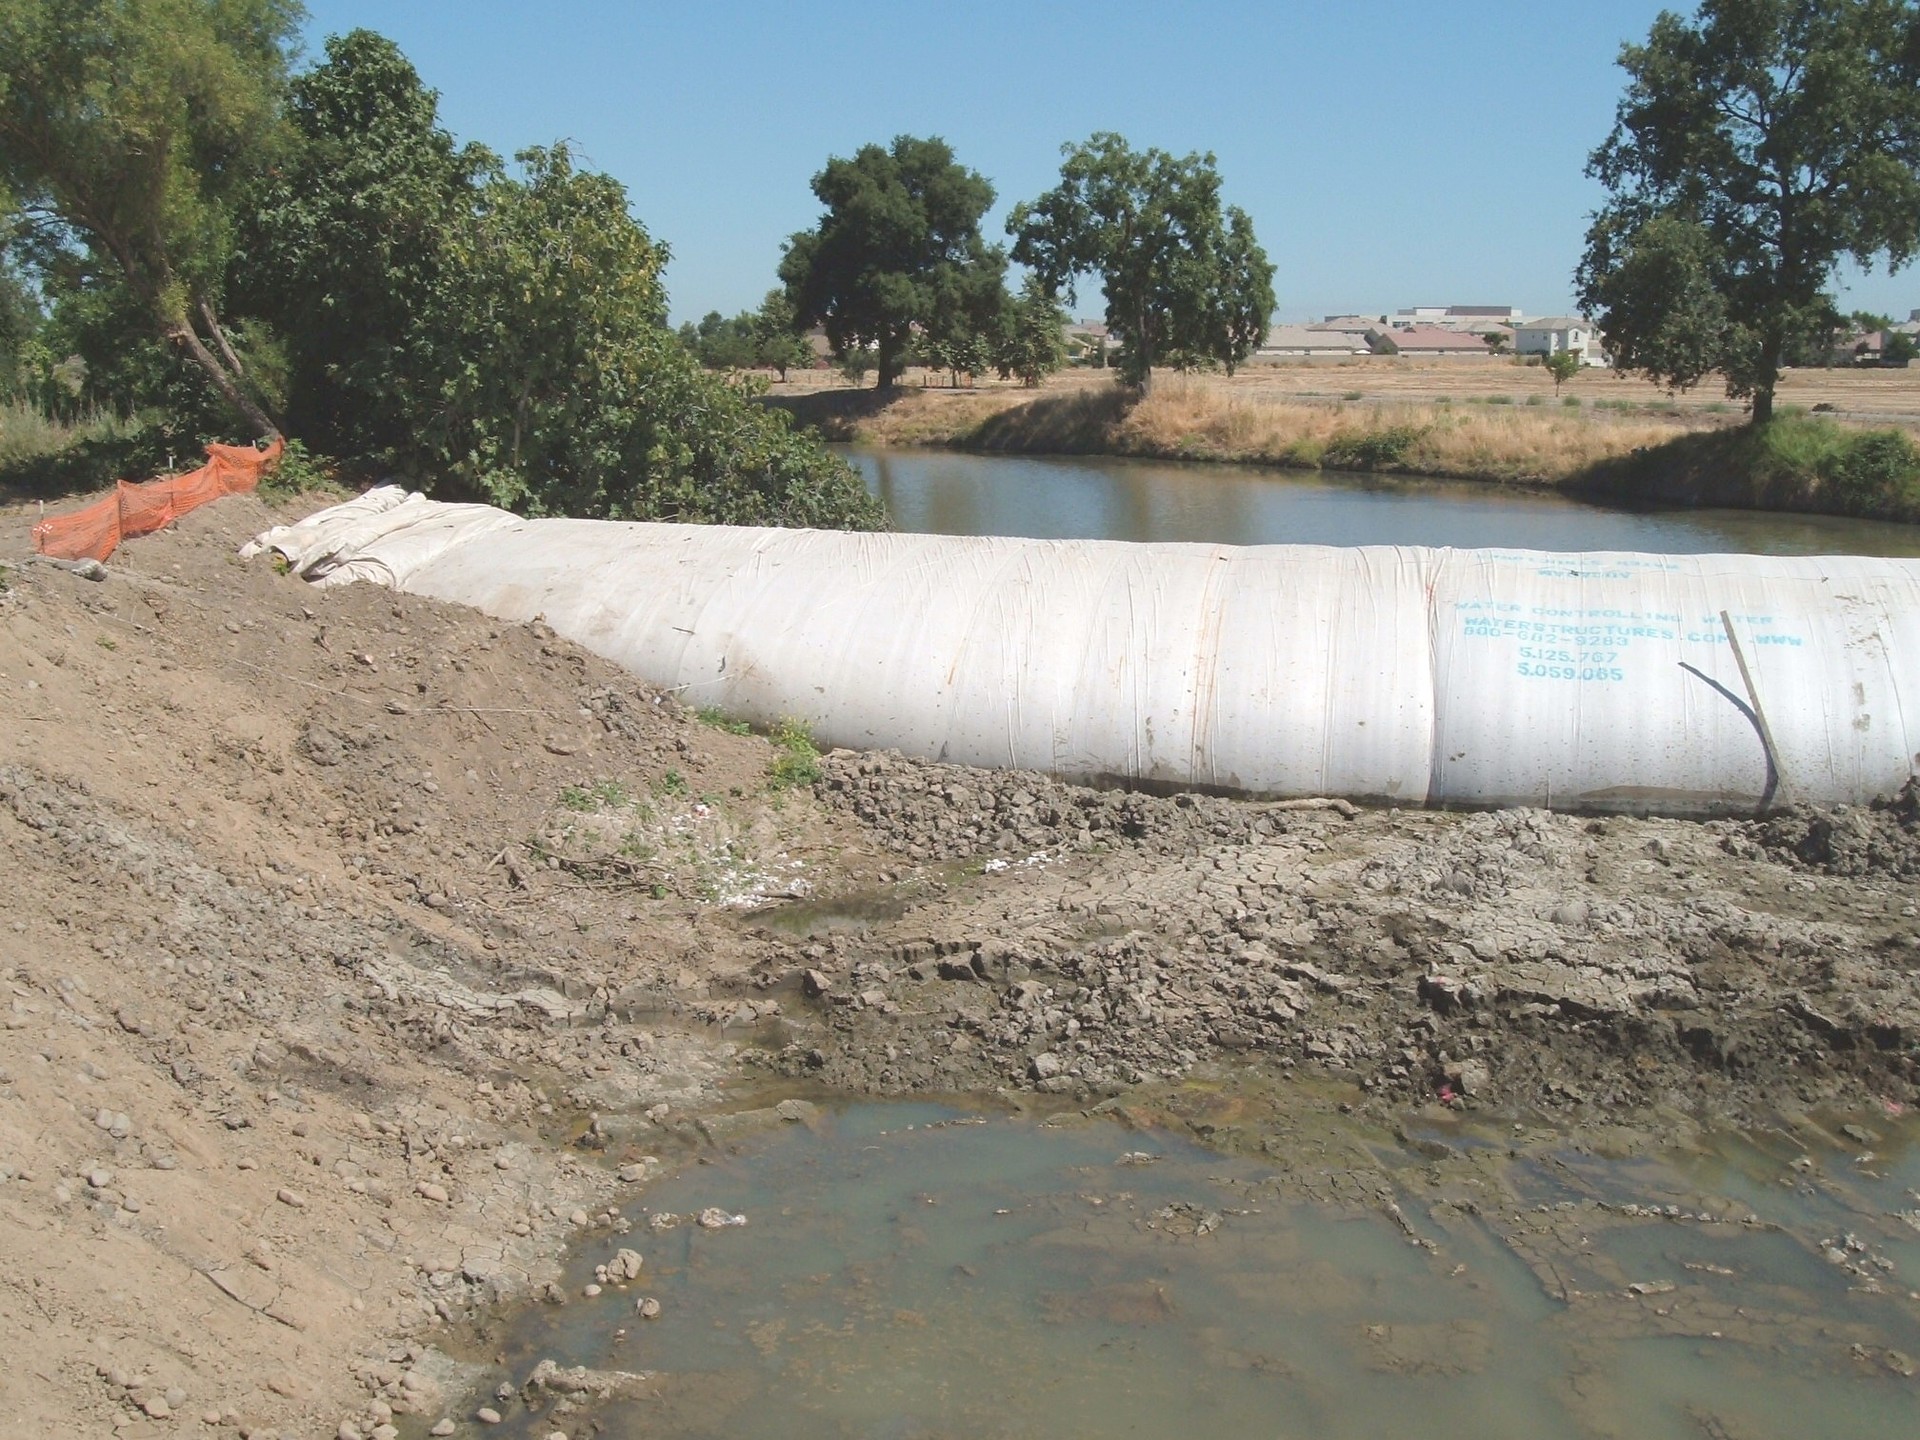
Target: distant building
{"points": [[1456, 317], [1310, 341], [1361, 325], [1552, 334], [1430, 341]]}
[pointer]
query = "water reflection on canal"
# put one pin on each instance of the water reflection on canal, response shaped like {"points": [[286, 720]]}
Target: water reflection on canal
{"points": [[948, 493]]}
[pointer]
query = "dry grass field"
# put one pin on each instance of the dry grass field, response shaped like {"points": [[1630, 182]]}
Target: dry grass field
{"points": [[1867, 395]]}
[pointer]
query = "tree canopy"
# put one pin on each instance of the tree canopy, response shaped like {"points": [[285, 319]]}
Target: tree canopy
{"points": [[344, 243], [899, 249], [1756, 146], [318, 245], [1186, 281], [130, 128]]}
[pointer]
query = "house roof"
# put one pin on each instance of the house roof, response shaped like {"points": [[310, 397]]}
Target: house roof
{"points": [[1311, 337], [1430, 338], [1554, 322]]}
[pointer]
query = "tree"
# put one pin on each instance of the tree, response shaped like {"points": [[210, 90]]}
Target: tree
{"points": [[1032, 340], [1562, 365], [720, 343], [129, 127], [344, 247], [562, 391], [1755, 147], [898, 247], [777, 342], [1900, 348], [1182, 277], [1496, 341]]}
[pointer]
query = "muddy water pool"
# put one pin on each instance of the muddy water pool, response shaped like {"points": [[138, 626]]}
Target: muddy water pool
{"points": [[922, 1271]]}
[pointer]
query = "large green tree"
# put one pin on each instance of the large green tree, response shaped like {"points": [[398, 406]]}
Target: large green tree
{"points": [[131, 126], [899, 249], [1185, 279], [344, 246], [1757, 145]]}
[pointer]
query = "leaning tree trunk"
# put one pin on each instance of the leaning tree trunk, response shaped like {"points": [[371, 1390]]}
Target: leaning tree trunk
{"points": [[224, 380]]}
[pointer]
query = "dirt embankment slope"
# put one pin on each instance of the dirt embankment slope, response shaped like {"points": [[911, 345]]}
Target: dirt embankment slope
{"points": [[359, 950]]}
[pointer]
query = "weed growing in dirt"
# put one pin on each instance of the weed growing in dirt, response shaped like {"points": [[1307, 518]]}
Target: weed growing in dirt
{"points": [[672, 783], [606, 795], [106, 642], [798, 762], [1499, 399], [716, 717], [1570, 402]]}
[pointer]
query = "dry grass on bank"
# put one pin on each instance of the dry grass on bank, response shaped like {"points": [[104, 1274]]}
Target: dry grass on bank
{"points": [[1203, 419], [1475, 441]]}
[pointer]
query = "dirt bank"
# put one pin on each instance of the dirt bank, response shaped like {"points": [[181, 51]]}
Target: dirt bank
{"points": [[359, 949]]}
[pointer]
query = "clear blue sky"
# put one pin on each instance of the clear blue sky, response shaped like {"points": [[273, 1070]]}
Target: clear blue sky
{"points": [[1391, 152]]}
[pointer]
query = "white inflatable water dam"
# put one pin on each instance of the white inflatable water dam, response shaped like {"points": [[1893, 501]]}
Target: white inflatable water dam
{"points": [[1681, 684]]}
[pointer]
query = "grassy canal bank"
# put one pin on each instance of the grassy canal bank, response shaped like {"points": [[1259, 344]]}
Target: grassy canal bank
{"points": [[1639, 450]]}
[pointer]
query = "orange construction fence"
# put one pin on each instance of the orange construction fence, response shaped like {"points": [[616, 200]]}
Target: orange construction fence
{"points": [[96, 532]]}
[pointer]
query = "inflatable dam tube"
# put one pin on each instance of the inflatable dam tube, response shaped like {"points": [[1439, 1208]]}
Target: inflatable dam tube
{"points": [[1674, 684]]}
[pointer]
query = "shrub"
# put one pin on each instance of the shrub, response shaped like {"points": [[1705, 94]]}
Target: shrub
{"points": [[1370, 449]]}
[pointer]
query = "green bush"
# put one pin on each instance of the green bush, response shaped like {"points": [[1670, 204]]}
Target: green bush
{"points": [[1872, 473], [1796, 462], [298, 472], [1371, 449]]}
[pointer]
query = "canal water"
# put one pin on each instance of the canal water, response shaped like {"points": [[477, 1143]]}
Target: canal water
{"points": [[914, 1271], [949, 493]]}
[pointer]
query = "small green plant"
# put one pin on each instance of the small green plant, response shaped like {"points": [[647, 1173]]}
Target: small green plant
{"points": [[1536, 399], [798, 761], [1499, 399], [1354, 395], [606, 795], [105, 642], [672, 783], [716, 717], [1572, 402], [298, 471]]}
